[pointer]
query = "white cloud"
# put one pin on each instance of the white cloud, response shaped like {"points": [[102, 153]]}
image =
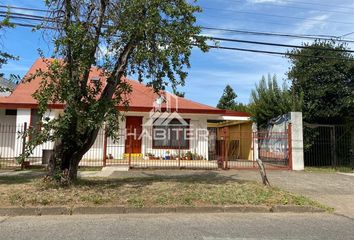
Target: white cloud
{"points": [[318, 22], [267, 1]]}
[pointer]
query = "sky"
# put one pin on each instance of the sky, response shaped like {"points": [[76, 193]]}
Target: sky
{"points": [[212, 71]]}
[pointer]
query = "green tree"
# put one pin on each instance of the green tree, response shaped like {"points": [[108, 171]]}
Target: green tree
{"points": [[240, 107], [178, 93], [325, 78], [5, 56], [150, 38], [268, 100], [227, 100]]}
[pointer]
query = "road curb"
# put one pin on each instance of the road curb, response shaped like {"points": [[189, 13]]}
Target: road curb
{"points": [[295, 209], [33, 211]]}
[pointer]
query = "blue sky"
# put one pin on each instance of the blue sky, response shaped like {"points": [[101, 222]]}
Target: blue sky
{"points": [[211, 71]]}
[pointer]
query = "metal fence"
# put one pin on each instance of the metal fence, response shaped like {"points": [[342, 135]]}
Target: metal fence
{"points": [[108, 152], [137, 149], [328, 145]]}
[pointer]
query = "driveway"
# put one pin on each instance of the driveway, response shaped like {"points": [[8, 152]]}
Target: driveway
{"points": [[332, 189]]}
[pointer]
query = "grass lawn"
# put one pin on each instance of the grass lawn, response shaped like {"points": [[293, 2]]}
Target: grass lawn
{"points": [[329, 169], [153, 190]]}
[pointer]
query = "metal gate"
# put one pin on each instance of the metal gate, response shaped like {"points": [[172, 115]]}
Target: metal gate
{"points": [[273, 148], [328, 145]]}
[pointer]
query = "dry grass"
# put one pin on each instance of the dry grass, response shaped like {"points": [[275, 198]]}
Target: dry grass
{"points": [[199, 190]]}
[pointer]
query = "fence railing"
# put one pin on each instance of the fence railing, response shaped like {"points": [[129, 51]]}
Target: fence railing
{"points": [[136, 148], [328, 145], [141, 148]]}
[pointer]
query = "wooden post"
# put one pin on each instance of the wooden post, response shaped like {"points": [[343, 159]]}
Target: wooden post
{"points": [[24, 143]]}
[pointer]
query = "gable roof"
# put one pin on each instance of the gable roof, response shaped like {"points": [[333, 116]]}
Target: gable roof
{"points": [[141, 99]]}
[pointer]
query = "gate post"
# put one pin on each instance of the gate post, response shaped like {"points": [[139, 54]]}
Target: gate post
{"points": [[297, 141], [255, 142]]}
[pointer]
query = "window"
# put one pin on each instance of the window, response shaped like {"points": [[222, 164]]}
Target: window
{"points": [[11, 112], [36, 118], [174, 135], [35, 123]]}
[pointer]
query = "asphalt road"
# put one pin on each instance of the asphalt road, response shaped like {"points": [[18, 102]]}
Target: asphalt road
{"points": [[224, 226]]}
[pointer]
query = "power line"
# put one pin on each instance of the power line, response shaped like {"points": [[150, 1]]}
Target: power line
{"points": [[301, 36], [249, 32], [40, 18], [238, 49], [276, 44], [213, 47], [304, 36], [276, 53], [24, 8]]}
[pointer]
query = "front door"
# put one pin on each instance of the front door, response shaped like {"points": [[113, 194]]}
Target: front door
{"points": [[133, 141]]}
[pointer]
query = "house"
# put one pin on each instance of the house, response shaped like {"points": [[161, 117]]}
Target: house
{"points": [[187, 123]]}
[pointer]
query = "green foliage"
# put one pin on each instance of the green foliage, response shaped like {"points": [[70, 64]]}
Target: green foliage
{"points": [[325, 79], [178, 93], [152, 39], [5, 57], [269, 100], [240, 107], [227, 100]]}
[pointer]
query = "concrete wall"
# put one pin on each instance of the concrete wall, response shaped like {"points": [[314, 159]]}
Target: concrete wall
{"points": [[297, 141]]}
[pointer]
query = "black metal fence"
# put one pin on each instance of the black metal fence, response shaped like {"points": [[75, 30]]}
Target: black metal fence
{"points": [[328, 145]]}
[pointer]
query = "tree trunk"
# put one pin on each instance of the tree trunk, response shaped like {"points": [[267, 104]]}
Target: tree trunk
{"points": [[263, 172], [65, 160]]}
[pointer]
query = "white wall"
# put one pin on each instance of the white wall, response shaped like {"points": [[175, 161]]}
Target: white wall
{"points": [[37, 152], [198, 143], [13, 145], [7, 135]]}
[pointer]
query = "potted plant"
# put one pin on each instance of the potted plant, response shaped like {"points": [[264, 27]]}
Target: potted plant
{"points": [[189, 155]]}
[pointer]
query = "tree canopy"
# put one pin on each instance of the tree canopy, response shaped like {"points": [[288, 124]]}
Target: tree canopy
{"points": [[5, 56], [325, 79], [269, 100], [227, 100], [152, 39]]}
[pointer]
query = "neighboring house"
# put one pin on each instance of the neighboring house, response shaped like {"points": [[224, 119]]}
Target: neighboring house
{"points": [[148, 113], [5, 87]]}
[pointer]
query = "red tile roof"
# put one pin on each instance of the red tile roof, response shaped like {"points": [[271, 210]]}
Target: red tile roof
{"points": [[141, 99]]}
